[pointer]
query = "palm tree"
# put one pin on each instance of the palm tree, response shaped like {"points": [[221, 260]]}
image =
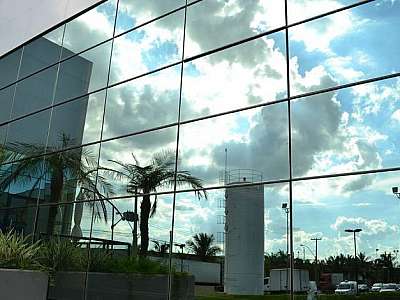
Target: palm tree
{"points": [[159, 173], [202, 245], [77, 166]]}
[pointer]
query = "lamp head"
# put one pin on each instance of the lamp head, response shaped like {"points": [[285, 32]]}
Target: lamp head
{"points": [[284, 205], [129, 216], [395, 190]]}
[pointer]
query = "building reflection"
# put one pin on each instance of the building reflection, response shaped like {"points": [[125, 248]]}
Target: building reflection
{"points": [[18, 201]]}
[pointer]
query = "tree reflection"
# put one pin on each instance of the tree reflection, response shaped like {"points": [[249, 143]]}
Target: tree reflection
{"points": [[159, 173], [77, 168]]}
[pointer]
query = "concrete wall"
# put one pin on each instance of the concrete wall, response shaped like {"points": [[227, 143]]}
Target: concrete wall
{"points": [[21, 20], [108, 286], [22, 285]]}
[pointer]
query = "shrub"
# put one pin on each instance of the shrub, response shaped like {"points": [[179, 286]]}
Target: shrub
{"points": [[61, 255], [17, 252]]}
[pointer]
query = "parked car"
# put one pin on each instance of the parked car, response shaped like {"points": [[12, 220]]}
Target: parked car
{"points": [[376, 287], [363, 288], [347, 288], [388, 287]]}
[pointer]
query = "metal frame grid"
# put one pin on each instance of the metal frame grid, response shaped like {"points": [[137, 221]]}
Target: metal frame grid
{"points": [[178, 123]]}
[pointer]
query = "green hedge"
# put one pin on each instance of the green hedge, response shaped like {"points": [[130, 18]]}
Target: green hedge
{"points": [[368, 296], [17, 252]]}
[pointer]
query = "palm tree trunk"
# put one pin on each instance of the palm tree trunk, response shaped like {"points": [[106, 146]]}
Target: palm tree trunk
{"points": [[144, 223], [56, 187]]}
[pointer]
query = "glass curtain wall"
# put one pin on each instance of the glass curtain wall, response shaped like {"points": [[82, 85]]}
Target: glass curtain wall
{"points": [[251, 145]]}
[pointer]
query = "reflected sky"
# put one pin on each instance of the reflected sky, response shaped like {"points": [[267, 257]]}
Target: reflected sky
{"points": [[352, 129]]}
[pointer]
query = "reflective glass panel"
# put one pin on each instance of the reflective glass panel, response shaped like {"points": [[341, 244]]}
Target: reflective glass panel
{"points": [[212, 24], [42, 52], [143, 103], [299, 10], [148, 48], [248, 74], [349, 130], [325, 54], [89, 29], [83, 73], [35, 92], [134, 13], [252, 145], [6, 98], [79, 120], [352, 216], [30, 131], [153, 151], [9, 66]]}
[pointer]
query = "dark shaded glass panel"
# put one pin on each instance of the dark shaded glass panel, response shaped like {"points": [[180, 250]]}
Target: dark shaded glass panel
{"points": [[35, 92], [20, 190], [89, 29], [144, 148], [324, 54], [143, 103], [42, 52], [83, 73], [252, 145], [71, 175], [212, 24], [6, 98], [356, 130], [14, 216], [31, 130], [149, 47], [9, 66], [134, 13], [78, 120], [241, 76]]}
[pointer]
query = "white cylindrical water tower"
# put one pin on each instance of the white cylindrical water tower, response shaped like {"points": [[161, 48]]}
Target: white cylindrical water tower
{"points": [[244, 234]]}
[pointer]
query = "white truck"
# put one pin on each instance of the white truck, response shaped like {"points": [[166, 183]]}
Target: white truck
{"points": [[279, 280]]}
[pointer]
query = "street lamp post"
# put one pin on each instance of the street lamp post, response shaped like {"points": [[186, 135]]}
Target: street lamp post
{"points": [[316, 259], [315, 256], [125, 216], [286, 209], [135, 222], [354, 231]]}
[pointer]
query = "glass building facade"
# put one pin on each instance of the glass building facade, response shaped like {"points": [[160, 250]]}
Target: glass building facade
{"points": [[299, 98]]}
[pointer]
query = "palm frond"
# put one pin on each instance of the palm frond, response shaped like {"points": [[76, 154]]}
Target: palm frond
{"points": [[153, 207]]}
